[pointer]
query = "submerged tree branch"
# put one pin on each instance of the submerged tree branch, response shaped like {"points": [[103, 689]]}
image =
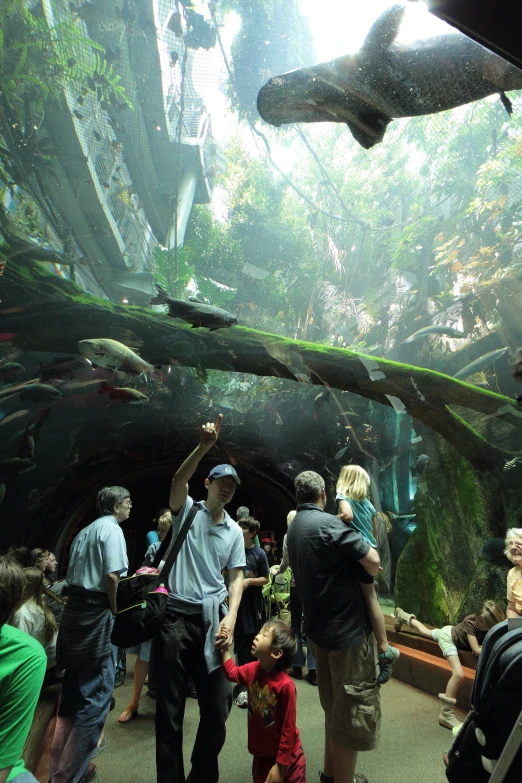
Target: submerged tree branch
{"points": [[46, 313]]}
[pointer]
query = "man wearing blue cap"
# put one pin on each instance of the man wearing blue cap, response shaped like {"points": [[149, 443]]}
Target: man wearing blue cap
{"points": [[197, 624]]}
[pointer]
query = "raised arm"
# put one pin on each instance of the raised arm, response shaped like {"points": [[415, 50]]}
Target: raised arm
{"points": [[179, 488]]}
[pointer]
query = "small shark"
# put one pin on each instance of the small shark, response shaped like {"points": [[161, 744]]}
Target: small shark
{"points": [[384, 80]]}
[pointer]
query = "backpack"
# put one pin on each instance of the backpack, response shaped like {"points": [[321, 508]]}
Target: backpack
{"points": [[496, 704]]}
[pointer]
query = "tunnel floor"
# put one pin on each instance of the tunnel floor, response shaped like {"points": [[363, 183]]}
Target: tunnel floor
{"points": [[411, 746]]}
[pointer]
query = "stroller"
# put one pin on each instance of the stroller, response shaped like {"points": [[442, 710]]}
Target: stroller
{"points": [[277, 596], [487, 748]]}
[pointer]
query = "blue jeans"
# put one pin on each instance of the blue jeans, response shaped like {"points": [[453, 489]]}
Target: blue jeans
{"points": [[296, 615], [25, 777], [86, 697]]}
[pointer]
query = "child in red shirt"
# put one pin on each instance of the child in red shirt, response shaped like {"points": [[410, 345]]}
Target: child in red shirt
{"points": [[273, 737]]}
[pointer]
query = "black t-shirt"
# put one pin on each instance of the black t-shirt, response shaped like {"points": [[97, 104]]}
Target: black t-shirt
{"points": [[323, 555], [251, 612]]}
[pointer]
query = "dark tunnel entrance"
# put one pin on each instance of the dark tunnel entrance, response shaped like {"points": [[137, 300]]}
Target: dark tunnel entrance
{"points": [[268, 499]]}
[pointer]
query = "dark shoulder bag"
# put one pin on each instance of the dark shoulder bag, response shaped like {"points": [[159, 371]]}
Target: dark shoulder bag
{"points": [[141, 599]]}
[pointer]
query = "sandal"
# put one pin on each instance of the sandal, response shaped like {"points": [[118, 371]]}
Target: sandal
{"points": [[385, 661], [402, 618], [127, 714]]}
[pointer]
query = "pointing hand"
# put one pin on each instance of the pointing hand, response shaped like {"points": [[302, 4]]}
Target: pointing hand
{"points": [[209, 432]]}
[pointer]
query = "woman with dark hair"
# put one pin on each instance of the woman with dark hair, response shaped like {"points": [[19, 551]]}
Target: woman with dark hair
{"points": [[21, 554], [46, 562], [22, 669]]}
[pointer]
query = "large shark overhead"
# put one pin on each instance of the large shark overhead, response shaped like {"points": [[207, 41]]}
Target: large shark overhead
{"points": [[384, 80]]}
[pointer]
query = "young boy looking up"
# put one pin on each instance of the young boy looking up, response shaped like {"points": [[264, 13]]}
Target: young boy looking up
{"points": [[273, 737], [251, 612]]}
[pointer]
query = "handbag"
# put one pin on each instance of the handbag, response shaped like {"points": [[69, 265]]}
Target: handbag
{"points": [[141, 599]]}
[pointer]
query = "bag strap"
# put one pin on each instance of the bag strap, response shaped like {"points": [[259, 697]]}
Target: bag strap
{"points": [[180, 538]]}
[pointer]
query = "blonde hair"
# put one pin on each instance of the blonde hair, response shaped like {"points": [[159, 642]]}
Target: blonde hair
{"points": [[290, 516], [34, 588], [489, 615], [164, 523], [513, 532], [353, 482]]}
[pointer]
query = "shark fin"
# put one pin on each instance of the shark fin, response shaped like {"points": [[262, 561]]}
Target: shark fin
{"points": [[384, 30], [369, 128]]}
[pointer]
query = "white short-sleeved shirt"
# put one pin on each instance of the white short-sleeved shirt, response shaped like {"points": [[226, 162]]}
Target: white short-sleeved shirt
{"points": [[30, 619], [514, 587], [208, 549], [98, 550]]}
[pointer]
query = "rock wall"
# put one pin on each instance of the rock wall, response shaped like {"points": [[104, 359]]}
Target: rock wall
{"points": [[440, 577]]}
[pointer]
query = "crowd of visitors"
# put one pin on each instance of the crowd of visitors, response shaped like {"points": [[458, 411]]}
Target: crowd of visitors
{"points": [[215, 600]]}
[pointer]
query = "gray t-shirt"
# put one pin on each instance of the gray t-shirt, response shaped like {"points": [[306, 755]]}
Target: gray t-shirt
{"points": [[324, 555]]}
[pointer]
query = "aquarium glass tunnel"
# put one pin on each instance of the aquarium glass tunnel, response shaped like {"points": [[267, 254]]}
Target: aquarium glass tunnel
{"points": [[304, 216]]}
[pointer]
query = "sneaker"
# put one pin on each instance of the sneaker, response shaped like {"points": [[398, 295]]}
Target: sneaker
{"points": [[386, 660], [297, 672], [98, 749], [359, 778], [151, 695], [242, 700], [311, 676]]}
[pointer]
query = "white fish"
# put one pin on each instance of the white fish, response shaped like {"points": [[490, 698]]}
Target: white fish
{"points": [[113, 355]]}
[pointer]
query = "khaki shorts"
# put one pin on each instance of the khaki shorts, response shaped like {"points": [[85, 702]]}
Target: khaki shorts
{"points": [[349, 694]]}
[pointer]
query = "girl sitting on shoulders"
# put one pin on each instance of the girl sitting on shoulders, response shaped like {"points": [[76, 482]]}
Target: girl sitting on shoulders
{"points": [[355, 509]]}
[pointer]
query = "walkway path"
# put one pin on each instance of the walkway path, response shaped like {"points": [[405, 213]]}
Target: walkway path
{"points": [[411, 747]]}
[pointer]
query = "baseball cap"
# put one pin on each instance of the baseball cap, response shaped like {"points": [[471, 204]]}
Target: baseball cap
{"points": [[266, 541], [221, 471]]}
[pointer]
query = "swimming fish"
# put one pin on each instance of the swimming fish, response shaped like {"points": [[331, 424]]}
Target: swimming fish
{"points": [[480, 363], [340, 454], [37, 392], [123, 394], [10, 369], [420, 465], [421, 333], [384, 80], [113, 355], [195, 313], [60, 367], [512, 463], [322, 398], [15, 466]]}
